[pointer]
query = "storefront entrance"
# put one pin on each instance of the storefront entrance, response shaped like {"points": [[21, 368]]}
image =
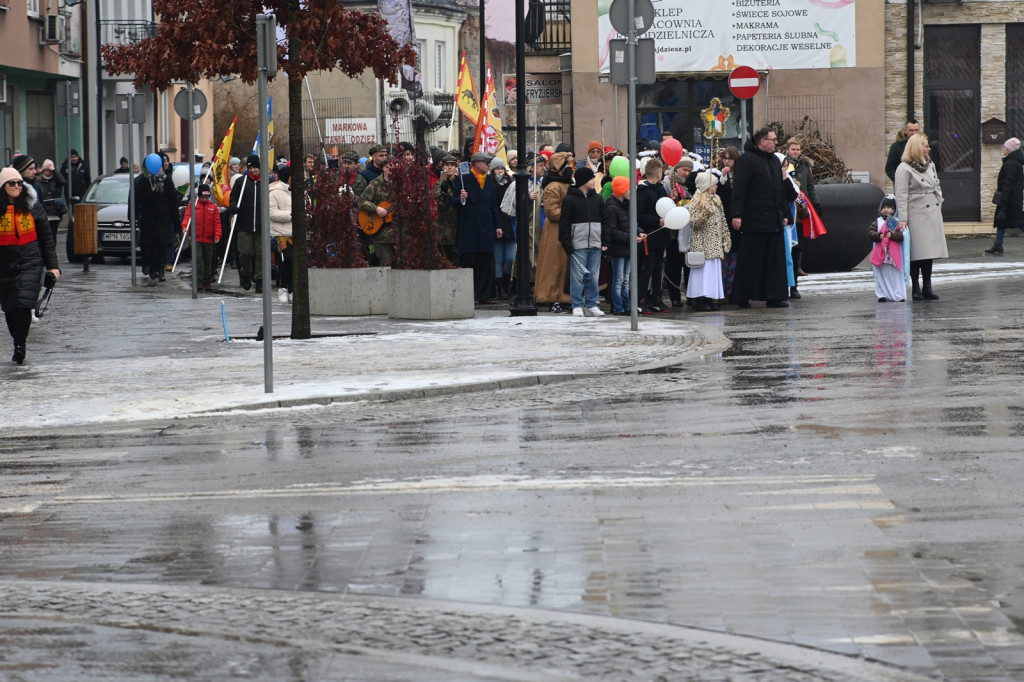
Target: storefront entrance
{"points": [[674, 105]]}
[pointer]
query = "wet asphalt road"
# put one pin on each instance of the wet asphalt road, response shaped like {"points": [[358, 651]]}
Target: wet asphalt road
{"points": [[846, 477]]}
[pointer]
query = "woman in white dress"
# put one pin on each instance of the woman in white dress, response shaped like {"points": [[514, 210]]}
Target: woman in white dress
{"points": [[709, 234]]}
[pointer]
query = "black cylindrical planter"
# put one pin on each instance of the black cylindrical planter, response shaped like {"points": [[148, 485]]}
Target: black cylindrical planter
{"points": [[848, 210]]}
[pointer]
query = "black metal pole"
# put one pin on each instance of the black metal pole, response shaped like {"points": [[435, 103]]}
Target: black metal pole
{"points": [[522, 304], [911, 44], [483, 56]]}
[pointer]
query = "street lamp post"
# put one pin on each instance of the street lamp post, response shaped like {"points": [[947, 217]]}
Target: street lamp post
{"points": [[523, 304]]}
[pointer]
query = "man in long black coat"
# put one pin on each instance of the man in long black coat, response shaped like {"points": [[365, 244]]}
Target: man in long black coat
{"points": [[156, 214], [760, 211], [479, 224]]}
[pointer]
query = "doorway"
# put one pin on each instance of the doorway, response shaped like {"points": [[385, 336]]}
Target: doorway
{"points": [[952, 117]]}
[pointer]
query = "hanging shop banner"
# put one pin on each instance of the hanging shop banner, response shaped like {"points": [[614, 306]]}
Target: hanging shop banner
{"points": [[350, 131], [541, 88], [764, 34]]}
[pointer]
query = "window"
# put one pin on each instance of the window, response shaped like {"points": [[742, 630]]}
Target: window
{"points": [[439, 65], [32, 7], [675, 105], [1014, 79], [165, 129]]}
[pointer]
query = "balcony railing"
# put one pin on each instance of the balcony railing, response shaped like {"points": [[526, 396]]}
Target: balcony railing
{"points": [[553, 34], [122, 32]]}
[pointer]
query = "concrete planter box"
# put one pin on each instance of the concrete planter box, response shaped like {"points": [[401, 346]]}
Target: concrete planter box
{"points": [[348, 291], [431, 294], [848, 211]]}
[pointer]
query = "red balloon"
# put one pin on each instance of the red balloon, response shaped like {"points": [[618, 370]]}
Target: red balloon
{"points": [[671, 151]]}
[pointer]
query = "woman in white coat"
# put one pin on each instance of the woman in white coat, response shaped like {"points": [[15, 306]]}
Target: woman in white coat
{"points": [[919, 207]]}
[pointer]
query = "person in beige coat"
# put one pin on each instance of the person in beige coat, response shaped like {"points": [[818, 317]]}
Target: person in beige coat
{"points": [[919, 206], [552, 261], [280, 193]]}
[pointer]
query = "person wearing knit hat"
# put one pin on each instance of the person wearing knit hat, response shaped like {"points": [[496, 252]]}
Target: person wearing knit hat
{"points": [[620, 186], [616, 236], [563, 147], [679, 184], [595, 157], [1009, 189], [26, 165], [582, 176], [579, 232], [122, 166], [246, 206], [26, 247], [513, 159], [50, 192], [889, 257], [208, 233], [505, 244], [75, 170], [709, 235]]}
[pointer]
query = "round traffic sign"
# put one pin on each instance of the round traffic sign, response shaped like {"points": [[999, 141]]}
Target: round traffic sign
{"points": [[744, 82], [198, 104], [642, 19]]}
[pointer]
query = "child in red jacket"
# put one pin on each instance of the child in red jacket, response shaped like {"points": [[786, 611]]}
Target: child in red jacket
{"points": [[208, 233]]}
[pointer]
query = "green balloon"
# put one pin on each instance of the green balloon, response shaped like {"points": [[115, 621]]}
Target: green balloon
{"points": [[619, 167]]}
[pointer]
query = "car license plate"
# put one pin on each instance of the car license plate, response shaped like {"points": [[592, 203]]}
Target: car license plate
{"points": [[116, 237]]}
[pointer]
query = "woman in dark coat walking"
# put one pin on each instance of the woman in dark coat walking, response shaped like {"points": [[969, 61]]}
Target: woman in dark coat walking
{"points": [[26, 247], [156, 210], [1010, 188]]}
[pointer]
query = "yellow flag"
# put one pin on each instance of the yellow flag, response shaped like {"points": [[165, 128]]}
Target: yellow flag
{"points": [[221, 170], [489, 138], [465, 94]]}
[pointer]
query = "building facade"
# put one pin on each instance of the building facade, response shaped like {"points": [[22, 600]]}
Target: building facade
{"points": [[118, 22], [40, 51]]}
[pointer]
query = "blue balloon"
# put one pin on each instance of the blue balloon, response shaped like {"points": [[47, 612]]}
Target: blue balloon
{"points": [[362, 159], [154, 163]]}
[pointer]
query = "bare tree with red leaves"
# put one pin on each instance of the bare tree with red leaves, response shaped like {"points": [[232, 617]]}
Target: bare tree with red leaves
{"points": [[198, 39]]}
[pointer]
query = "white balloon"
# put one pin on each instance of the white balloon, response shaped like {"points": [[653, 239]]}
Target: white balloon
{"points": [[179, 178], [664, 205], [677, 218]]}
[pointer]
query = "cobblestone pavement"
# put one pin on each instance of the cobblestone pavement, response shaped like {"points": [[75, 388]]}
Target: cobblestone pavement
{"points": [[84, 631]]}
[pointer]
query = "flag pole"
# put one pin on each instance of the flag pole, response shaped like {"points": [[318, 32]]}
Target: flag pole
{"points": [[316, 121]]}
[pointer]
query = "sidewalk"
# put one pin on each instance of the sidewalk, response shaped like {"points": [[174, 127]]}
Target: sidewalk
{"points": [[106, 352]]}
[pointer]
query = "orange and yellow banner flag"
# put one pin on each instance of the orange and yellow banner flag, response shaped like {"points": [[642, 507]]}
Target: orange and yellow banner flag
{"points": [[221, 186], [465, 93], [489, 138]]}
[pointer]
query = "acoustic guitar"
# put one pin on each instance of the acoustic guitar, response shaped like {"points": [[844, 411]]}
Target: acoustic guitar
{"points": [[371, 223]]}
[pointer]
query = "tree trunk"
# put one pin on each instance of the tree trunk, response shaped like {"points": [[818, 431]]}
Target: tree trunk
{"points": [[300, 271]]}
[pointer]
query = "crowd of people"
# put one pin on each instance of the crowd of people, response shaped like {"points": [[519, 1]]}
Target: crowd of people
{"points": [[742, 243]]}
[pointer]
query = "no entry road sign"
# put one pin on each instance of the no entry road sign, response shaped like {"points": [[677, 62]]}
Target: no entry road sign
{"points": [[744, 82]]}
